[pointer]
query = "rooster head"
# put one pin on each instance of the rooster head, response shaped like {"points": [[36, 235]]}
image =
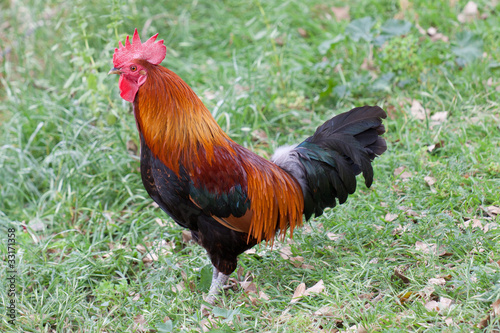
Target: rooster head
{"points": [[127, 63]]}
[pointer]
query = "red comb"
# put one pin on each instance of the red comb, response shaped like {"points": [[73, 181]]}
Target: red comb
{"points": [[151, 51]]}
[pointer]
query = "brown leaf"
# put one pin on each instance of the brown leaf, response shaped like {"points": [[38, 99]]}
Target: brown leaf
{"points": [[356, 329], [132, 147], [443, 304], [430, 180], [178, 287], [404, 175], [436, 36], [425, 248], [493, 211], [341, 13], [418, 111], [263, 295], [187, 236], [249, 287], [139, 324], [299, 292], [399, 170], [160, 222], [285, 252], [437, 281], [326, 311], [141, 248], [297, 261], [469, 13], [260, 135], [403, 298], [36, 225], [303, 33], [335, 237], [389, 217], [399, 230], [440, 144], [399, 275], [439, 117], [318, 288]]}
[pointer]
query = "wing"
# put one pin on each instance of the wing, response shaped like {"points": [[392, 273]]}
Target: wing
{"points": [[246, 193]]}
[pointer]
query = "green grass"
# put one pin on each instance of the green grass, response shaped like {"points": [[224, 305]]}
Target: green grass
{"points": [[70, 185]]}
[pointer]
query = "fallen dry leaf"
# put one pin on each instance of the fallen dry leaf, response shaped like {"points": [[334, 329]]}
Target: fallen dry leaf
{"points": [[160, 222], [341, 13], [398, 274], [469, 13], [399, 170], [141, 248], [404, 175], [139, 324], [263, 295], [356, 329], [443, 304], [431, 148], [298, 293], [389, 217], [302, 32], [425, 248], [493, 210], [318, 288], [297, 261], [437, 281], [430, 180], [132, 147], [285, 252], [403, 298], [334, 237], [436, 36], [418, 111], [449, 321], [178, 287], [301, 290], [439, 117], [187, 236], [326, 311], [432, 249], [249, 287]]}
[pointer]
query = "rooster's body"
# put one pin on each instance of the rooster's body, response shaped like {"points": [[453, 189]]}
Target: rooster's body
{"points": [[230, 198]]}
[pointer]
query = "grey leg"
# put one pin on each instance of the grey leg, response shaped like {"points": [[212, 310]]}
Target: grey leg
{"points": [[218, 281]]}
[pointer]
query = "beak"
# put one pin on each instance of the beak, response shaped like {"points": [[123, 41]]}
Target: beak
{"points": [[115, 71]]}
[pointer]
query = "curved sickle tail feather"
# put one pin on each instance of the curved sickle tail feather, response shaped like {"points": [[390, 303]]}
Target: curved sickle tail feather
{"points": [[327, 163]]}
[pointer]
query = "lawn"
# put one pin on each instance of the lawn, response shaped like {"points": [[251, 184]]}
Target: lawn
{"points": [[419, 251]]}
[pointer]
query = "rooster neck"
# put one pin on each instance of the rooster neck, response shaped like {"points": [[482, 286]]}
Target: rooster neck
{"points": [[176, 125]]}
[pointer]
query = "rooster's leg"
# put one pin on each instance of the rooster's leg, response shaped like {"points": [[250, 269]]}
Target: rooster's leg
{"points": [[218, 281]]}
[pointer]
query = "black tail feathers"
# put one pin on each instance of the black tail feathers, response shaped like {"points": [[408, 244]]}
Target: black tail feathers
{"points": [[326, 164]]}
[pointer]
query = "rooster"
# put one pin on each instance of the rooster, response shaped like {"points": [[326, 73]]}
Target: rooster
{"points": [[230, 198]]}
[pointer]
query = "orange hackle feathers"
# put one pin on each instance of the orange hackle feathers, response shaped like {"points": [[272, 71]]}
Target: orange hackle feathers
{"points": [[277, 200]]}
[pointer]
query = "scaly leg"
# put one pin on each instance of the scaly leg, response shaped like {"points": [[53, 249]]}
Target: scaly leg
{"points": [[218, 281]]}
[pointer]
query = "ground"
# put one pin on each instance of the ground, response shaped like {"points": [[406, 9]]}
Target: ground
{"points": [[419, 251]]}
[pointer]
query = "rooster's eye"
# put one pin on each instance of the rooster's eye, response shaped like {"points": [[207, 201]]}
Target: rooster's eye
{"points": [[133, 68]]}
